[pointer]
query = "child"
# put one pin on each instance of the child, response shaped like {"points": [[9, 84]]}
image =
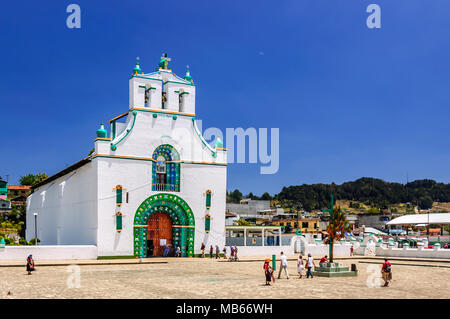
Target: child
{"points": [[268, 271], [30, 264], [300, 266], [386, 272]]}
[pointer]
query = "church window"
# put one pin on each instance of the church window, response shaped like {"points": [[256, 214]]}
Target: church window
{"points": [[119, 193], [119, 222], [208, 199], [181, 102], [207, 223], [166, 169]]}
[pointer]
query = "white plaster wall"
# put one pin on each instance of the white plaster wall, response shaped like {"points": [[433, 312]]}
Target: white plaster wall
{"points": [[173, 98], [67, 210], [136, 177], [339, 250], [247, 251], [20, 253], [413, 252], [137, 94], [148, 133]]}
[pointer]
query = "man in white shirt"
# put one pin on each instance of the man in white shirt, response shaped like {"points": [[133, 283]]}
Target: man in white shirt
{"points": [[283, 265], [310, 263]]}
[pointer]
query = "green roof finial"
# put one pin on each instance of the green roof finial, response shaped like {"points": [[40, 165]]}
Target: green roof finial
{"points": [[137, 68], [218, 143], [101, 132], [188, 76]]}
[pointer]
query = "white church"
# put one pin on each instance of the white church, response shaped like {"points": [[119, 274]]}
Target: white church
{"points": [[153, 182]]}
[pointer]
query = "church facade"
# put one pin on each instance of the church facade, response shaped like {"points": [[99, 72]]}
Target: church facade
{"points": [[151, 183]]}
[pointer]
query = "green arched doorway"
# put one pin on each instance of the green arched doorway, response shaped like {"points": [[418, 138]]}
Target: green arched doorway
{"points": [[182, 217]]}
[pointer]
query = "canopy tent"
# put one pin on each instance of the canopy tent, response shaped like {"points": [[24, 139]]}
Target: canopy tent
{"points": [[432, 230], [348, 234], [373, 231], [433, 218], [397, 231]]}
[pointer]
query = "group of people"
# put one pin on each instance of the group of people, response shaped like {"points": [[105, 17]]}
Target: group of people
{"points": [[233, 252], [309, 265]]}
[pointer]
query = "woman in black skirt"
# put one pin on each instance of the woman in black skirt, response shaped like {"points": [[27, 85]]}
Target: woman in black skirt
{"points": [[30, 264], [268, 271]]}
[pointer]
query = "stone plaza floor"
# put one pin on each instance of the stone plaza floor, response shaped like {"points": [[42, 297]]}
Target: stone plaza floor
{"points": [[210, 278]]}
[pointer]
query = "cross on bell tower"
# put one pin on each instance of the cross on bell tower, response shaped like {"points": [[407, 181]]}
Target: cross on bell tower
{"points": [[164, 62]]}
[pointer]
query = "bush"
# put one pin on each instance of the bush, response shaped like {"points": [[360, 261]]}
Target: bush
{"points": [[8, 241], [33, 242], [373, 210]]}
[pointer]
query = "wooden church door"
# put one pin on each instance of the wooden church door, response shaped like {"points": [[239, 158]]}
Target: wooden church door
{"points": [[160, 233]]}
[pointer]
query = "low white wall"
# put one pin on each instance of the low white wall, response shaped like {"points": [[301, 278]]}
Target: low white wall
{"points": [[316, 250], [339, 250], [264, 250], [21, 253], [413, 252]]}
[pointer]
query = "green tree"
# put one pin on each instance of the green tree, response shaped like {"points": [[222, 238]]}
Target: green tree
{"points": [[236, 196], [336, 228], [425, 202], [252, 196], [266, 196], [27, 179], [32, 179], [242, 222]]}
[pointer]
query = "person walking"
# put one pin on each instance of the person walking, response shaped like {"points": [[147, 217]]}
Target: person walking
{"points": [[268, 272], [300, 266], [217, 252], [283, 265], [235, 253], [225, 252], [231, 253], [30, 264], [386, 272], [309, 264], [211, 251], [351, 250], [203, 250], [178, 252]]}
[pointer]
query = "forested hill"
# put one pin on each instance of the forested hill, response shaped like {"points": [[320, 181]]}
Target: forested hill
{"points": [[372, 191]]}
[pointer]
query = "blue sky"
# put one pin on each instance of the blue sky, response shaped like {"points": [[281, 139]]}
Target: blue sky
{"points": [[349, 101]]}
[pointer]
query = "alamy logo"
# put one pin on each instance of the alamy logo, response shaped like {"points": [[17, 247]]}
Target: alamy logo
{"points": [[374, 279], [74, 279], [73, 21], [374, 19], [252, 144]]}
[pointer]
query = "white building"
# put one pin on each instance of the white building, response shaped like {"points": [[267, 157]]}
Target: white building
{"points": [[153, 181]]}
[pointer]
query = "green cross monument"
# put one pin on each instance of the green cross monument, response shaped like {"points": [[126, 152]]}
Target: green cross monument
{"points": [[330, 211]]}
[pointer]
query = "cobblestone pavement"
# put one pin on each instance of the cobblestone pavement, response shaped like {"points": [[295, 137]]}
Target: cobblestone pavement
{"points": [[205, 278]]}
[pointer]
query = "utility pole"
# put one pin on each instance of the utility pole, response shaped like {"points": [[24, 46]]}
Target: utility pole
{"points": [[35, 228], [298, 232]]}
